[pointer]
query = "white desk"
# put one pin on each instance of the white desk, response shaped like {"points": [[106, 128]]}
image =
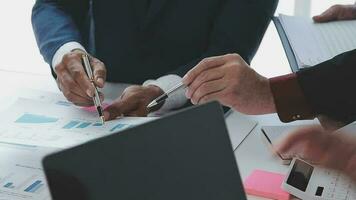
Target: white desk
{"points": [[251, 154]]}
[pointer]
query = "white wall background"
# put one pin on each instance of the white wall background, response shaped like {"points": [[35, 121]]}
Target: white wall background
{"points": [[19, 52]]}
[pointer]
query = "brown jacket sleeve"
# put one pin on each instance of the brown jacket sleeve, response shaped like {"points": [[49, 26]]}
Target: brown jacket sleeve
{"points": [[327, 89], [289, 99]]}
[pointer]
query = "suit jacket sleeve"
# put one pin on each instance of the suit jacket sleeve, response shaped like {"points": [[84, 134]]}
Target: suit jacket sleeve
{"points": [[56, 22], [329, 87], [239, 28]]}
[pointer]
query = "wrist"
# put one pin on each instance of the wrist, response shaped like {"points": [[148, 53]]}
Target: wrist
{"points": [[78, 50], [350, 166], [270, 105], [64, 49]]}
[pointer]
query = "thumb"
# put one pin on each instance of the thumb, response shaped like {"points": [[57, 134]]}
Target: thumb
{"points": [[99, 71], [329, 15]]}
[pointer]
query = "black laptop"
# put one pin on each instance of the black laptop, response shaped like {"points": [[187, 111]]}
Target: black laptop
{"points": [[184, 156]]}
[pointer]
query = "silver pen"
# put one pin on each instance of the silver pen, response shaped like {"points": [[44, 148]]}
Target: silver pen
{"points": [[165, 96], [96, 97]]}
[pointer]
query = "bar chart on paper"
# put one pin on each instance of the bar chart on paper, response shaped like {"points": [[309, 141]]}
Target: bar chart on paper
{"points": [[21, 173], [56, 124], [56, 131], [23, 182]]}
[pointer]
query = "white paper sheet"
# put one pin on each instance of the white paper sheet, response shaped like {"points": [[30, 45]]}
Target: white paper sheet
{"points": [[21, 174], [313, 43], [56, 124]]}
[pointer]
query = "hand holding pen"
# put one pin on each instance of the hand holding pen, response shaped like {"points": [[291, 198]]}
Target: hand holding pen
{"points": [[74, 82], [96, 97], [165, 96]]}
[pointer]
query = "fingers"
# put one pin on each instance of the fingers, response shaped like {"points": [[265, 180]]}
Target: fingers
{"points": [[329, 15], [74, 81], [71, 90], [205, 76], [99, 71], [203, 65], [292, 141], [113, 111], [133, 102], [207, 90], [312, 144], [118, 108], [73, 64], [318, 146], [215, 96], [78, 74]]}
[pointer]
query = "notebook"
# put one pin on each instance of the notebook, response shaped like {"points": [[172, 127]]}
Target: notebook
{"points": [[307, 43]]}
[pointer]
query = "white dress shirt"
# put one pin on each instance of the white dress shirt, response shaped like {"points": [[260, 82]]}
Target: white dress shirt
{"points": [[166, 82]]}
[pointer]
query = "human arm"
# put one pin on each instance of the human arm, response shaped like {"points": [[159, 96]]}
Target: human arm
{"points": [[318, 146], [56, 23], [300, 96], [231, 81], [58, 26]]}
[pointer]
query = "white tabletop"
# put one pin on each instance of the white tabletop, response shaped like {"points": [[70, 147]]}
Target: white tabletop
{"points": [[251, 154]]}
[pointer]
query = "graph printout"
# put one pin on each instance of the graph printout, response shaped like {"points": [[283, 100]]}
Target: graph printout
{"points": [[21, 174], [56, 124]]}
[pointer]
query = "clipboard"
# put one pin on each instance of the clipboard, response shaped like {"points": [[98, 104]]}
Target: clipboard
{"points": [[286, 45]]}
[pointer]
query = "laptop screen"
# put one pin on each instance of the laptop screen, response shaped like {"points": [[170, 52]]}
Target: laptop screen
{"points": [[187, 155]]}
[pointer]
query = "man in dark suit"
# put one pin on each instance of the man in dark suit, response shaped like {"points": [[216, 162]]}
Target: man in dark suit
{"points": [[140, 40], [327, 89]]}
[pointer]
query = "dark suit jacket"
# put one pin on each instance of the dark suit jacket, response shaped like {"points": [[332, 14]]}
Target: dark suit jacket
{"points": [[329, 87], [143, 39], [326, 91]]}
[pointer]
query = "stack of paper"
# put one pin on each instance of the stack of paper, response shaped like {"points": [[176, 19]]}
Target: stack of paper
{"points": [[313, 43]]}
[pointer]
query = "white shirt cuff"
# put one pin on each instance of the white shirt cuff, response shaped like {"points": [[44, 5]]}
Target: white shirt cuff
{"points": [[177, 99], [64, 49]]}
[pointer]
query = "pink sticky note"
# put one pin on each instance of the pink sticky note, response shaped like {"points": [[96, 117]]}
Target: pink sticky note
{"points": [[266, 184], [93, 108]]}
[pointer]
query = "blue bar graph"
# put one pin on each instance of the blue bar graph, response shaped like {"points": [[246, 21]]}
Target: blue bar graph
{"points": [[118, 126], [97, 124], [36, 188], [71, 124], [83, 125], [33, 186], [8, 185], [35, 119], [63, 103]]}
